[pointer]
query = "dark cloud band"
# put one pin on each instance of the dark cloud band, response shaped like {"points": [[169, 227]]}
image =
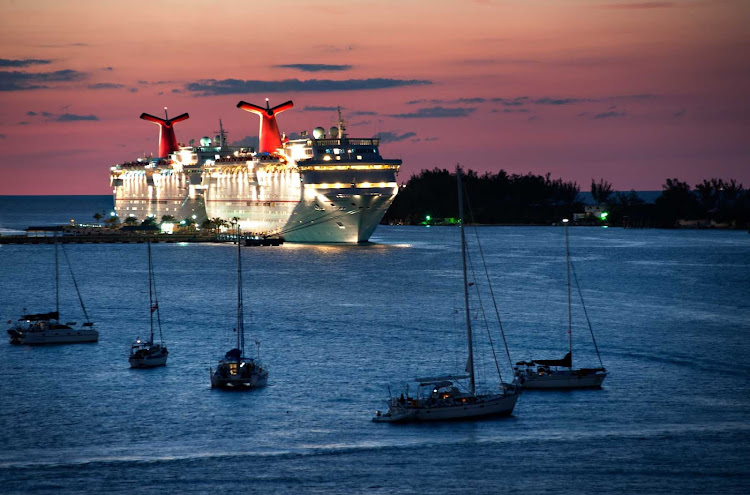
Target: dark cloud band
{"points": [[21, 81], [315, 67], [209, 87], [436, 113], [106, 86], [4, 62], [392, 137]]}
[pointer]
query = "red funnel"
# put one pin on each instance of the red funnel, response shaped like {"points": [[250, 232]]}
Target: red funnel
{"points": [[167, 139], [269, 137]]}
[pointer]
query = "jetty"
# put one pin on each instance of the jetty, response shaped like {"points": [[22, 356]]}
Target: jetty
{"points": [[66, 234]]}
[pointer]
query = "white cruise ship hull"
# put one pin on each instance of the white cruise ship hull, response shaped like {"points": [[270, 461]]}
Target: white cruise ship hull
{"points": [[263, 201], [165, 193], [344, 218]]}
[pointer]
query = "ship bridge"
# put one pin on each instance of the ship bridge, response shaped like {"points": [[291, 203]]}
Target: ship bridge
{"points": [[345, 154]]}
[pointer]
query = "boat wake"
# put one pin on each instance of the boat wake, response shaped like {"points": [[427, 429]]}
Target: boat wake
{"points": [[310, 450]]}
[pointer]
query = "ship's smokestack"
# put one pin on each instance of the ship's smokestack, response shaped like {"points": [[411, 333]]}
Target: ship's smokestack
{"points": [[167, 139], [269, 136]]}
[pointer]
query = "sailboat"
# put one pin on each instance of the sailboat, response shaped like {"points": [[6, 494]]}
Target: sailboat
{"points": [[148, 354], [560, 373], [236, 371], [444, 397], [46, 328]]}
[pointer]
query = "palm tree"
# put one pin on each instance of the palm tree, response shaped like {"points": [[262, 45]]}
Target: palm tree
{"points": [[168, 218], [131, 221], [98, 216], [149, 222], [219, 223], [601, 191], [112, 221], [189, 223]]}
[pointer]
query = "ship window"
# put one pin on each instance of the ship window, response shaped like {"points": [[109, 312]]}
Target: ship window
{"points": [[359, 157], [341, 225]]}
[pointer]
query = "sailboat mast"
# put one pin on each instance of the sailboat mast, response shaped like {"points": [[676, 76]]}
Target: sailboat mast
{"points": [[57, 280], [240, 316], [150, 294], [470, 366], [570, 314]]}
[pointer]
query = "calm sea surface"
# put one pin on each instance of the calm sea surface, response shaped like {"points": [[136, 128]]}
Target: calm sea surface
{"points": [[339, 325]]}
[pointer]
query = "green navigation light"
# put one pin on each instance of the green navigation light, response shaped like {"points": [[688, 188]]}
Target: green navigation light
{"points": [[604, 215], [428, 218]]}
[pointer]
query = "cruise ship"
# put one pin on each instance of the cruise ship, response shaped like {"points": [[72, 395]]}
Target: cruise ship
{"points": [[326, 188]]}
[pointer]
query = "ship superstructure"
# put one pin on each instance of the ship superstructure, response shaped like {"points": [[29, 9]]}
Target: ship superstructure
{"points": [[324, 188]]}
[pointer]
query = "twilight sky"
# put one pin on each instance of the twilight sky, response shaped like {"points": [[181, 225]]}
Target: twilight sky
{"points": [[626, 90]]}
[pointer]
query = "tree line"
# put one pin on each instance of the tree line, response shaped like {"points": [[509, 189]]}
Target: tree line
{"points": [[500, 198]]}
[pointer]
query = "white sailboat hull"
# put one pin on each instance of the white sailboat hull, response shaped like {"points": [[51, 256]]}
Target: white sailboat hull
{"points": [[65, 336], [562, 380], [486, 406]]}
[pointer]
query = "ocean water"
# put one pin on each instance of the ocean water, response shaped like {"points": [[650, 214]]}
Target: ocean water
{"points": [[339, 325], [19, 212]]}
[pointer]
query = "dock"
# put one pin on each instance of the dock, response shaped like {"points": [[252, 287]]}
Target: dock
{"points": [[68, 235]]}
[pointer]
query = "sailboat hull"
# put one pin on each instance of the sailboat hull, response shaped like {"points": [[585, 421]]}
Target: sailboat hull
{"points": [[237, 382], [148, 356], [562, 380], [149, 362], [486, 406], [48, 336]]}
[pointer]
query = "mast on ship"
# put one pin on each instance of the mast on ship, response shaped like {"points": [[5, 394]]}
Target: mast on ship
{"points": [[153, 299], [222, 135], [342, 126], [240, 315], [570, 314], [57, 281], [150, 292], [470, 364]]}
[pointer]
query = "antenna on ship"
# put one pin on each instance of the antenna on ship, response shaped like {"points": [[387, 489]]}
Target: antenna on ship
{"points": [[342, 126]]}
